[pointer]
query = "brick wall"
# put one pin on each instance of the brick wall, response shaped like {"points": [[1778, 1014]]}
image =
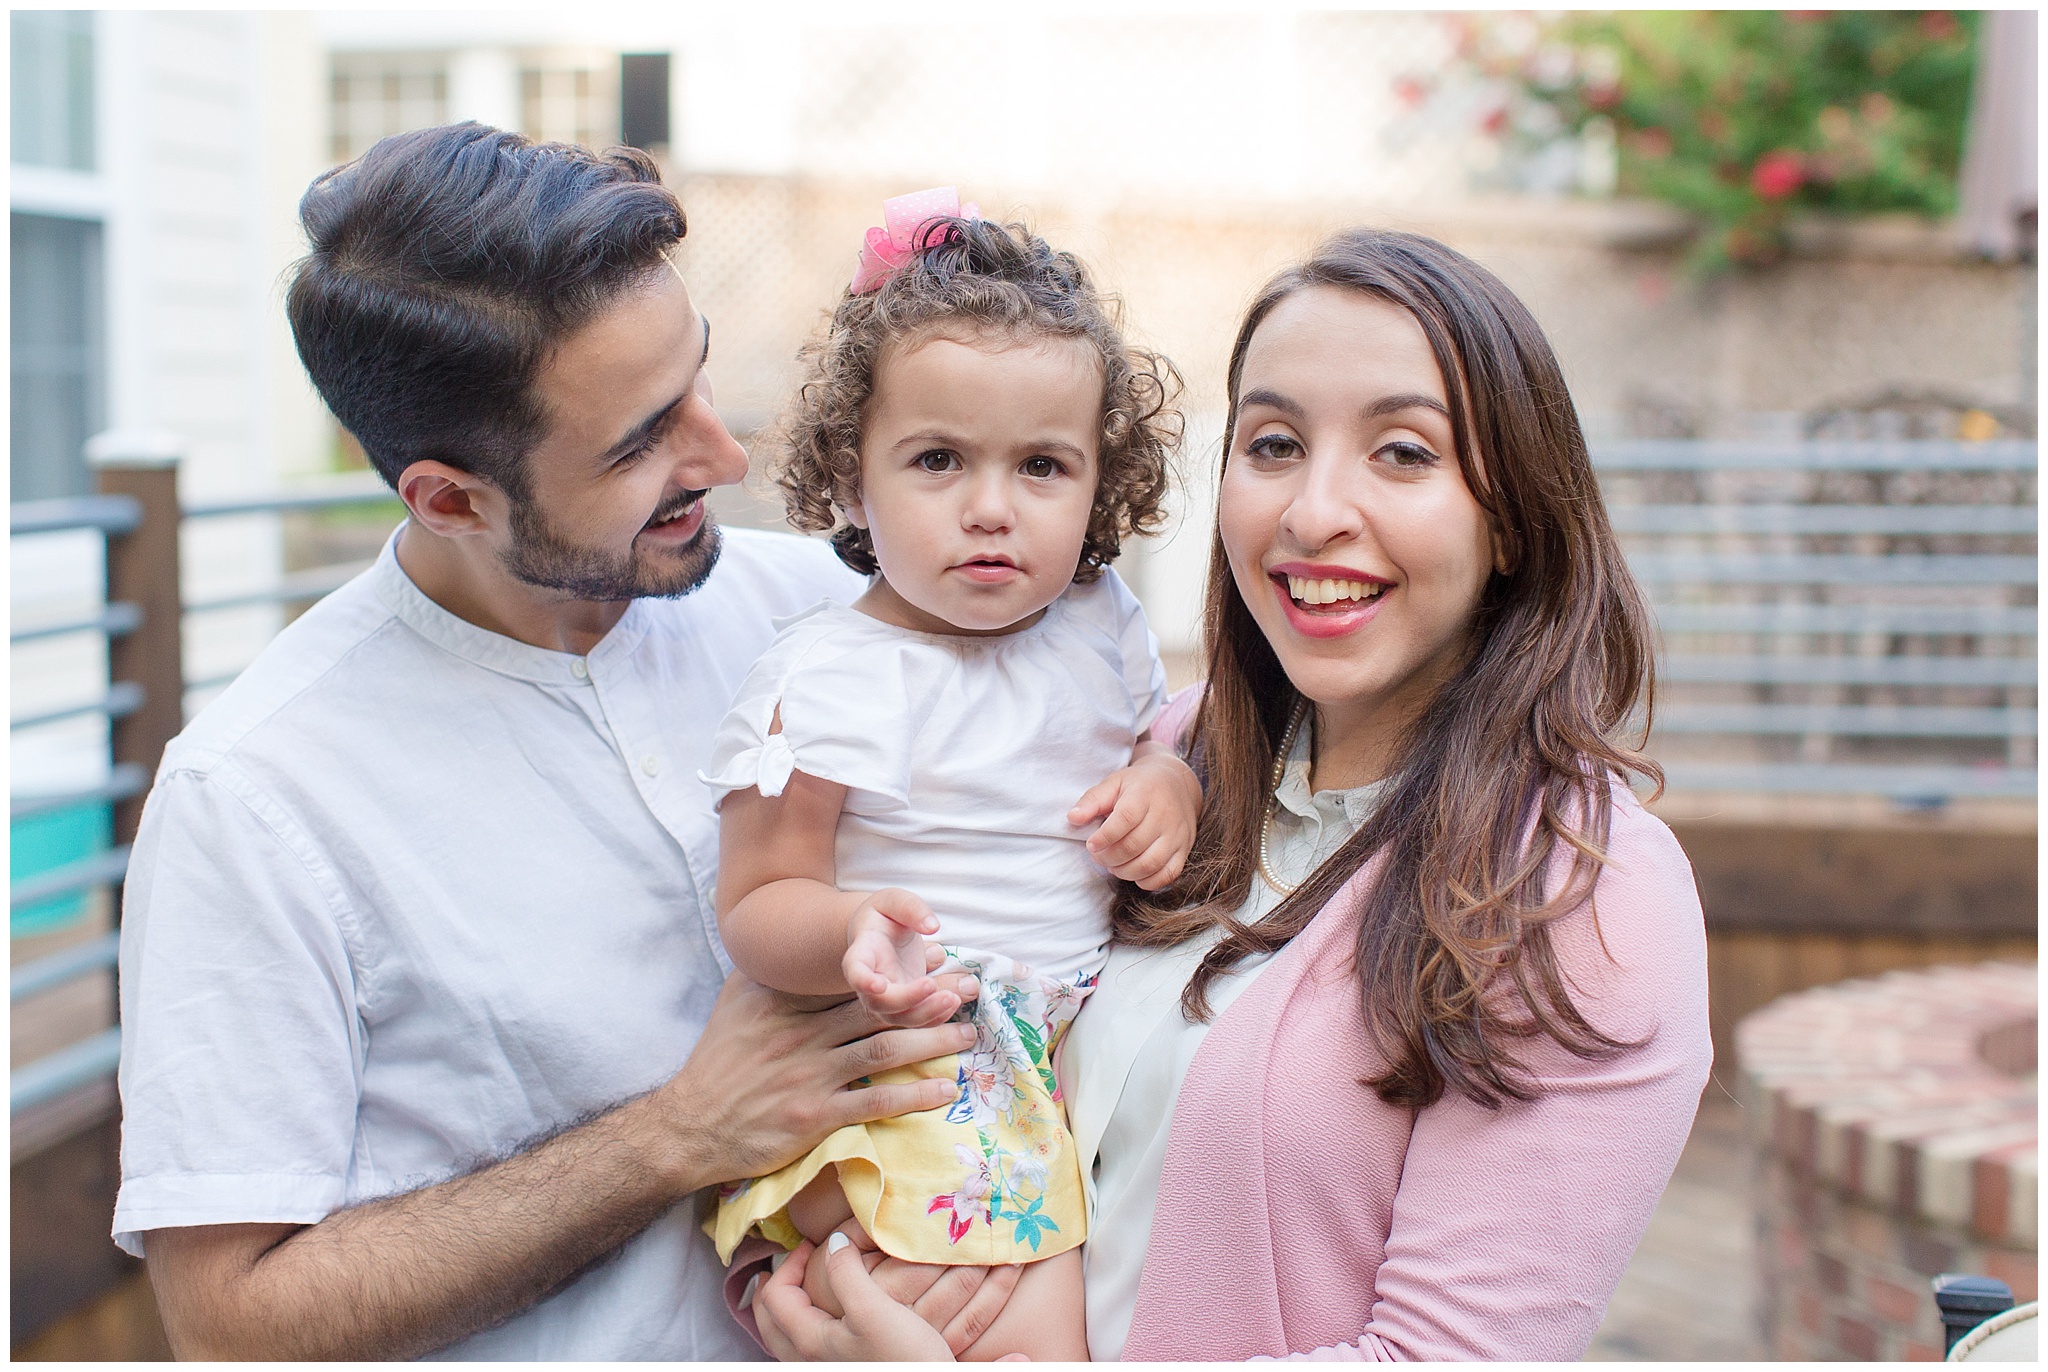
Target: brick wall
{"points": [[1894, 1121]]}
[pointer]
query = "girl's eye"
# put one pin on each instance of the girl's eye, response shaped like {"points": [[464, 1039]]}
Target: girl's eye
{"points": [[1408, 455], [1274, 448], [937, 460], [1043, 468]]}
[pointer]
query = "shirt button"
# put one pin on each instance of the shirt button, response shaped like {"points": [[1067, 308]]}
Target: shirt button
{"points": [[650, 764], [580, 670]]}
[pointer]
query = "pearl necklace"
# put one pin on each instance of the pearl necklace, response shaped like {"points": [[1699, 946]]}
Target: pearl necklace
{"points": [[1273, 803]]}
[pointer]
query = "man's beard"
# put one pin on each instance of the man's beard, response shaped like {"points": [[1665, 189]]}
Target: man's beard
{"points": [[541, 557]]}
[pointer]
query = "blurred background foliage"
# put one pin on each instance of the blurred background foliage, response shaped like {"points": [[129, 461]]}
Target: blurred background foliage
{"points": [[1742, 118]]}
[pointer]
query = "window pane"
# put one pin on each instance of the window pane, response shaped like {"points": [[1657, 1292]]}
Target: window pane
{"points": [[56, 386], [52, 88]]}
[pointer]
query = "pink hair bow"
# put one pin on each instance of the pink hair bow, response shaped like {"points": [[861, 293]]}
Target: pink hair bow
{"points": [[890, 246]]}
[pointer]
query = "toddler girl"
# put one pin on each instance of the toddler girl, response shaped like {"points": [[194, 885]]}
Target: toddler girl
{"points": [[980, 439]]}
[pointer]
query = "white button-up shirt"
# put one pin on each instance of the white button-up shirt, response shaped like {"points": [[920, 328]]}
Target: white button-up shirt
{"points": [[410, 895]]}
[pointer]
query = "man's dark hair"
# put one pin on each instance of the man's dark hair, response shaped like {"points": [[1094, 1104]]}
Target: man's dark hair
{"points": [[447, 264]]}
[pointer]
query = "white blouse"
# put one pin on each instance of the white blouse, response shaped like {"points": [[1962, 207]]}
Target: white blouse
{"points": [[1131, 1047], [961, 756]]}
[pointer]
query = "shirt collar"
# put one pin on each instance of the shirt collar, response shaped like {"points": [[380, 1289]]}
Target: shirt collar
{"points": [[494, 651], [1295, 797]]}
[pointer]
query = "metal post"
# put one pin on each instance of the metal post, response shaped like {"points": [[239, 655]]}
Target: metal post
{"points": [[142, 569]]}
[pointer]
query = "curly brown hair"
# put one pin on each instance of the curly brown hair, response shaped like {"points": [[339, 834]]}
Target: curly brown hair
{"points": [[982, 277]]}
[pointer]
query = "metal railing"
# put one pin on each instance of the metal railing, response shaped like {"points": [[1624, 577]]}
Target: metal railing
{"points": [[1895, 660], [137, 512]]}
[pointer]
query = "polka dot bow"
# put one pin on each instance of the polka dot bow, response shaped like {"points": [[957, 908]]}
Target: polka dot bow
{"points": [[890, 246]]}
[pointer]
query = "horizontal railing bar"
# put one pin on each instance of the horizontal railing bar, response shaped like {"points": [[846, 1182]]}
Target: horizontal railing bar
{"points": [[69, 964], [1815, 455], [309, 584], [101, 869], [110, 514], [1781, 618], [1823, 519], [1848, 778], [1869, 721], [64, 1071], [1848, 670], [1852, 569], [122, 698], [125, 780], [117, 619], [342, 497]]}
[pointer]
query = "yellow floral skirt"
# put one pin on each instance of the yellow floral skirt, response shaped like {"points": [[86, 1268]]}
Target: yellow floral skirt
{"points": [[991, 1179]]}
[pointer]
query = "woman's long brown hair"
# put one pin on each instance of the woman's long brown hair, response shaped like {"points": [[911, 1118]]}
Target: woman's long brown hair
{"points": [[1509, 764]]}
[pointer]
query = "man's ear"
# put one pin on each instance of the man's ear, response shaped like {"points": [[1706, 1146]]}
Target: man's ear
{"points": [[450, 502]]}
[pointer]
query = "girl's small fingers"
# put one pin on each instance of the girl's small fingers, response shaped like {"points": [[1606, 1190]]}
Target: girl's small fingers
{"points": [[1114, 831], [1096, 801], [1161, 863]]}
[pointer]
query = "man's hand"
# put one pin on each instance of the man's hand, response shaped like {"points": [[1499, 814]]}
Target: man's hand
{"points": [[1151, 808], [888, 959], [772, 1076]]}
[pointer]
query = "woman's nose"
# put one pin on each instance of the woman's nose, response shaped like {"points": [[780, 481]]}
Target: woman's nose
{"points": [[1325, 507]]}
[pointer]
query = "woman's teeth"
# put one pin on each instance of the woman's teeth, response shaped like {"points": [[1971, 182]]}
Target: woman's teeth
{"points": [[1310, 591]]}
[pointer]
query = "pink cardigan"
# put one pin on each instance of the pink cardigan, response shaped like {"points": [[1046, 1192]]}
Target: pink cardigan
{"points": [[1300, 1214]]}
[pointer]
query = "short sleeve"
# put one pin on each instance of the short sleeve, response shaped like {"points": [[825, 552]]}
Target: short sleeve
{"points": [[1144, 673], [848, 715], [241, 1045]]}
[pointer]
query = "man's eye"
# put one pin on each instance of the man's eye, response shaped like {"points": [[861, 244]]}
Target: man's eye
{"points": [[1274, 448], [937, 460], [1042, 467]]}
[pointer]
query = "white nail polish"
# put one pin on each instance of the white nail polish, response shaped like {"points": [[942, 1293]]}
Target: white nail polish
{"points": [[836, 1242]]}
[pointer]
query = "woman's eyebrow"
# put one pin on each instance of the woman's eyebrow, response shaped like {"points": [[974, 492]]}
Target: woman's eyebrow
{"points": [[1272, 400], [1393, 404]]}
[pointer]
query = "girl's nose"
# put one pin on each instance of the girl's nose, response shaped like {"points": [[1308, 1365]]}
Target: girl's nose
{"points": [[989, 508]]}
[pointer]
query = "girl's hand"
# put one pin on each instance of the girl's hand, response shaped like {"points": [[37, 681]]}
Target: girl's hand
{"points": [[1152, 806], [888, 962], [874, 1328]]}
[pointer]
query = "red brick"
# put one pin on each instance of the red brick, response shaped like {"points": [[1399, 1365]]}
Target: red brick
{"points": [[1989, 1197], [2020, 1271], [1833, 1274], [1922, 1352], [1856, 1338], [1811, 1316], [1870, 1233], [1894, 1302], [1931, 1255]]}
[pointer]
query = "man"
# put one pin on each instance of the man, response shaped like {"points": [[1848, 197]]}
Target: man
{"points": [[425, 1043]]}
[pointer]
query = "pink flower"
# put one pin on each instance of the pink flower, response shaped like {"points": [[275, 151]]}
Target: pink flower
{"points": [[1777, 174]]}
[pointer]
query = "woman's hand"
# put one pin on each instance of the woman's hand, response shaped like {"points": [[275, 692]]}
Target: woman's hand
{"points": [[888, 961], [1152, 806], [874, 1328]]}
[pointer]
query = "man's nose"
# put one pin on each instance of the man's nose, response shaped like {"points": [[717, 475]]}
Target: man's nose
{"points": [[708, 455]]}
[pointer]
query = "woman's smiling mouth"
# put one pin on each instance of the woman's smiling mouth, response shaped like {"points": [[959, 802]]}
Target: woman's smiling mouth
{"points": [[1327, 602]]}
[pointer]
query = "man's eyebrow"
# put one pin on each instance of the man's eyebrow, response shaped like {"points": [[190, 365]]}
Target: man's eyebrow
{"points": [[637, 435]]}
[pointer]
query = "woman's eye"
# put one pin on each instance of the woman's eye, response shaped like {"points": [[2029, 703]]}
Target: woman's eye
{"points": [[1041, 467], [1408, 455], [937, 460], [1274, 448]]}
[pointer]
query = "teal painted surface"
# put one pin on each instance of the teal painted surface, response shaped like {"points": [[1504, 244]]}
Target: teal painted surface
{"points": [[46, 841]]}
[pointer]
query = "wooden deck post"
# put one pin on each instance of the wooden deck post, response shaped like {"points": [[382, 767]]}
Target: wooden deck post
{"points": [[142, 569]]}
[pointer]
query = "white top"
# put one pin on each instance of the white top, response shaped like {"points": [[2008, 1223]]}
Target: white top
{"points": [[410, 893], [961, 756], [1130, 1049]]}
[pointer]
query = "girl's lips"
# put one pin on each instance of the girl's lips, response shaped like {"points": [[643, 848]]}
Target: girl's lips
{"points": [[1325, 621], [988, 573]]}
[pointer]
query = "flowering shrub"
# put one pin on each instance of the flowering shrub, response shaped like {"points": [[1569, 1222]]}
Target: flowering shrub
{"points": [[1741, 117]]}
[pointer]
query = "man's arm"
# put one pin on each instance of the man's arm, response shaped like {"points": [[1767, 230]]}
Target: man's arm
{"points": [[408, 1274]]}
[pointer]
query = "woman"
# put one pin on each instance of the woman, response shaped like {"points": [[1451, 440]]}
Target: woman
{"points": [[1400, 1065]]}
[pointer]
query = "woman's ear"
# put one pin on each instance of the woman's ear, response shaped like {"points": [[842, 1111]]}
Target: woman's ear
{"points": [[1505, 555]]}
